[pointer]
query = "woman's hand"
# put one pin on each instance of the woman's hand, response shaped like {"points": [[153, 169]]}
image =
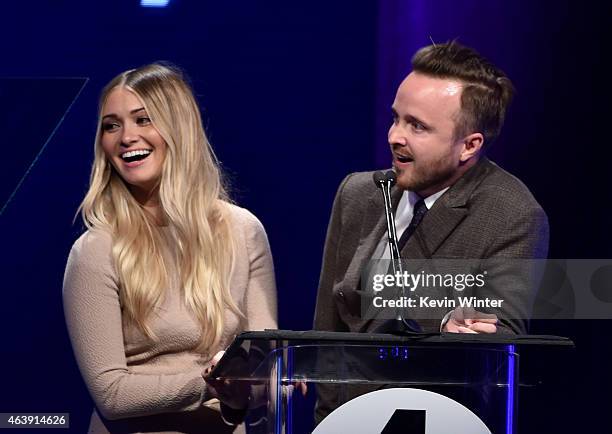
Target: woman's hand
{"points": [[234, 394]]}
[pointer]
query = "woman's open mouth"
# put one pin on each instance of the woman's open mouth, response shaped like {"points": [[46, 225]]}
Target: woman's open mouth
{"points": [[135, 158]]}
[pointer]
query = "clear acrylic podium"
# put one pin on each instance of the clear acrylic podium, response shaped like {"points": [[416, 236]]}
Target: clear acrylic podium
{"points": [[481, 372]]}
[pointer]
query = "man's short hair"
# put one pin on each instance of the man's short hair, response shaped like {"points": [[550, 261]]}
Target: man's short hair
{"points": [[487, 91]]}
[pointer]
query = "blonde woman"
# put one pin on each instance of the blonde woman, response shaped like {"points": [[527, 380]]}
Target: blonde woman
{"points": [[168, 271]]}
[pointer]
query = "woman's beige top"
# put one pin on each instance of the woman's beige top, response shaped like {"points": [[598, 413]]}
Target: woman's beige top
{"points": [[158, 385]]}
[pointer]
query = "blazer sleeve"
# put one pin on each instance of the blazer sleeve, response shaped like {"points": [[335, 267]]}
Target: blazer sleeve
{"points": [[326, 313], [93, 318], [513, 267]]}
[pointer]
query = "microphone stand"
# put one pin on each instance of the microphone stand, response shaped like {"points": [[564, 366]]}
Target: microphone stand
{"points": [[399, 325]]}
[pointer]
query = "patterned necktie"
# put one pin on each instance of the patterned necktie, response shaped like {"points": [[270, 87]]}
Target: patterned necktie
{"points": [[420, 209]]}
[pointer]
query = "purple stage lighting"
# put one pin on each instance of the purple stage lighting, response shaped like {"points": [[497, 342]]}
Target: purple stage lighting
{"points": [[154, 3]]}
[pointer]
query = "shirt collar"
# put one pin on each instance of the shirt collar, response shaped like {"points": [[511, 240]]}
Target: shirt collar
{"points": [[413, 198]]}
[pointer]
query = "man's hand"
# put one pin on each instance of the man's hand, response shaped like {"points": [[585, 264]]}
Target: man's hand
{"points": [[468, 320]]}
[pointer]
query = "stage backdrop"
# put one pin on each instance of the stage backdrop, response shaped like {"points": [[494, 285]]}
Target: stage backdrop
{"points": [[294, 97]]}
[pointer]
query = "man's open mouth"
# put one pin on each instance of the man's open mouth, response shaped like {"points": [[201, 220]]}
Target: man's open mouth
{"points": [[137, 155], [403, 158]]}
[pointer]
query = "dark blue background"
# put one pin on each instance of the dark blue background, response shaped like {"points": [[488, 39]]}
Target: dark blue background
{"points": [[295, 96]]}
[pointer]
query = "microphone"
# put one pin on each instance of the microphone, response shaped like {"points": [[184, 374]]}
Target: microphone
{"points": [[391, 177], [379, 179], [400, 325]]}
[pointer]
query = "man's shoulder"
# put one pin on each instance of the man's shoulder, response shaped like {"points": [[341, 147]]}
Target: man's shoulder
{"points": [[502, 187], [358, 184]]}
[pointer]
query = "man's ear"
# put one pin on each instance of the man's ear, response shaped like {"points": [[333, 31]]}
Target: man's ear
{"points": [[472, 145]]}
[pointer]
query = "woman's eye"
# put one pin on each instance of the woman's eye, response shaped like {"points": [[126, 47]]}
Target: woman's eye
{"points": [[143, 120], [109, 126]]}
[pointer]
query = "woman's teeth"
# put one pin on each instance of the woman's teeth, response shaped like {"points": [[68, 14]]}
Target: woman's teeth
{"points": [[135, 155]]}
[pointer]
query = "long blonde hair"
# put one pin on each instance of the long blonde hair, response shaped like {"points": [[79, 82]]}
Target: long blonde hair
{"points": [[192, 199]]}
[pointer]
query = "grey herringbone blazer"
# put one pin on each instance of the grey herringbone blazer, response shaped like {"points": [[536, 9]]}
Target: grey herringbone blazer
{"points": [[487, 213]]}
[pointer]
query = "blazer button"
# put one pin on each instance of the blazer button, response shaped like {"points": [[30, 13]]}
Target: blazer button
{"points": [[341, 294]]}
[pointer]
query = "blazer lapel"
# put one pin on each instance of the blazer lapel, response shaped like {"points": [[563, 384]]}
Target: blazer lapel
{"points": [[437, 225], [448, 211]]}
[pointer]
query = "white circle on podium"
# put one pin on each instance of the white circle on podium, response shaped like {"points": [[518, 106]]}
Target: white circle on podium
{"points": [[374, 411]]}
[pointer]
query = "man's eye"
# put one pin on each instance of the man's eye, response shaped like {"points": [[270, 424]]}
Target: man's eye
{"points": [[109, 126], [143, 120], [417, 126]]}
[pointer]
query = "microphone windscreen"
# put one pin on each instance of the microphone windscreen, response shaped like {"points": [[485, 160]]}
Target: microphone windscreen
{"points": [[391, 177], [379, 178]]}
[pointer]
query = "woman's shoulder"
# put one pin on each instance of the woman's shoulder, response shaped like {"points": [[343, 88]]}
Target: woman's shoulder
{"points": [[249, 230], [93, 244], [89, 263], [243, 217]]}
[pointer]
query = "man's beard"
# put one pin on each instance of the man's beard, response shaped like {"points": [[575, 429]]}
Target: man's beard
{"points": [[424, 177]]}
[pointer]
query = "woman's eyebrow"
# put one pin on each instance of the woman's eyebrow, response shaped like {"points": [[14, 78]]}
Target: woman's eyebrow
{"points": [[113, 115]]}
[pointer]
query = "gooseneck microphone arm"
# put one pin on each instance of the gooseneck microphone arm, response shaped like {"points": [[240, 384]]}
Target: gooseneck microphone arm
{"points": [[385, 181], [399, 325]]}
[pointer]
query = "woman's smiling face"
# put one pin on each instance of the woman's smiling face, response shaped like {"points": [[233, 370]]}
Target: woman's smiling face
{"points": [[130, 141]]}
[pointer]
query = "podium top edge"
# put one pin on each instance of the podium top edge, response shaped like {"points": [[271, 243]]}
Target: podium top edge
{"points": [[425, 338]]}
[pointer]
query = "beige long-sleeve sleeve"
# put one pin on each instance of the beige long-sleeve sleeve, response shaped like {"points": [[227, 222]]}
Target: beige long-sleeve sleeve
{"points": [[93, 316], [261, 305]]}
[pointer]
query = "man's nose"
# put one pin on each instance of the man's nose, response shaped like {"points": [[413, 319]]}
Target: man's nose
{"points": [[396, 137]]}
